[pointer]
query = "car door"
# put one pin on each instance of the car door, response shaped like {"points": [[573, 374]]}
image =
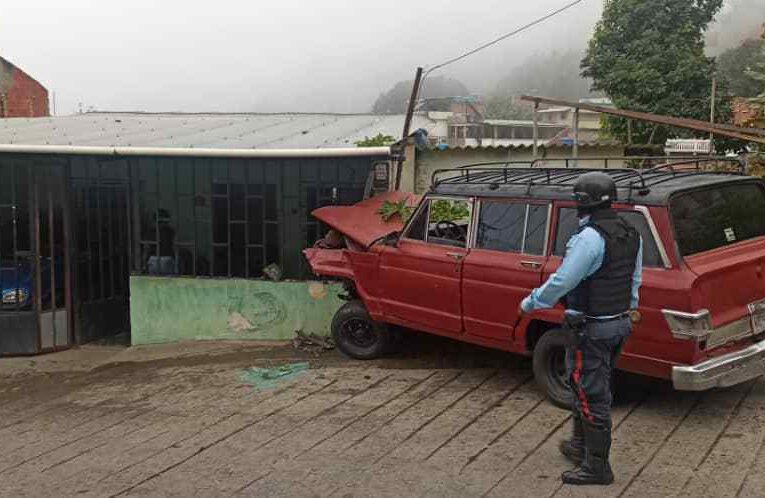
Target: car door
{"points": [[504, 264], [420, 276]]}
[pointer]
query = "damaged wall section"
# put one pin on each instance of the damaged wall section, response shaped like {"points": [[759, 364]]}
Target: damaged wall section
{"points": [[236, 225], [179, 309]]}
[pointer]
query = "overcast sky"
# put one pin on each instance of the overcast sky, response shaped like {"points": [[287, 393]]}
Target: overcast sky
{"points": [[268, 56]]}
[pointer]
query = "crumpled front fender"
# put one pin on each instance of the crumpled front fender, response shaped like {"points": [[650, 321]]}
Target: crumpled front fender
{"points": [[329, 262]]}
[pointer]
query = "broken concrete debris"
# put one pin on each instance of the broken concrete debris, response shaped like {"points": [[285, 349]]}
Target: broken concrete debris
{"points": [[312, 343], [273, 271]]}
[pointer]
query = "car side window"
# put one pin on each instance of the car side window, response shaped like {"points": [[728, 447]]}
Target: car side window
{"points": [[568, 223], [448, 222], [417, 228], [536, 229], [512, 227], [651, 255], [500, 226]]}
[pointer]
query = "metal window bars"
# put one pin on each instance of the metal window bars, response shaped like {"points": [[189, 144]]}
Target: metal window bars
{"points": [[530, 174], [13, 212]]}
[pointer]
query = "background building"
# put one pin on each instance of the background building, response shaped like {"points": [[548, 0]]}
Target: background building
{"points": [[171, 227], [20, 94]]}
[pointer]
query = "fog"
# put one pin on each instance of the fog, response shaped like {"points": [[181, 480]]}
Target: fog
{"points": [[291, 55]]}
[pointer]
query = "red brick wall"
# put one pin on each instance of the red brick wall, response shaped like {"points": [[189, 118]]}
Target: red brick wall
{"points": [[748, 114], [20, 94]]}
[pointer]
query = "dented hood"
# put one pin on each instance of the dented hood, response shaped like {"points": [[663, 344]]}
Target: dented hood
{"points": [[361, 222]]}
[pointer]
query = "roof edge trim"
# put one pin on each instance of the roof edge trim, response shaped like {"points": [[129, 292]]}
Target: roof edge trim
{"points": [[195, 152]]}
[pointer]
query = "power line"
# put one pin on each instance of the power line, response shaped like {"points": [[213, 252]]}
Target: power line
{"points": [[495, 41], [503, 37]]}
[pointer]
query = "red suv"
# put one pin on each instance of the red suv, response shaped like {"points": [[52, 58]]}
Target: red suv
{"points": [[483, 238]]}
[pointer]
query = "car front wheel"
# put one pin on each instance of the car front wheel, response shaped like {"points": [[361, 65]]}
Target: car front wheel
{"points": [[550, 367], [357, 335]]}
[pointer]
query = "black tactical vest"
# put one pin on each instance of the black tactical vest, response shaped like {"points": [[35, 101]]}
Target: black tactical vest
{"points": [[608, 291]]}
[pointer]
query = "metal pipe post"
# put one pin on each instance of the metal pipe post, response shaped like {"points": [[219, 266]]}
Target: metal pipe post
{"points": [[536, 128], [712, 109], [575, 151]]}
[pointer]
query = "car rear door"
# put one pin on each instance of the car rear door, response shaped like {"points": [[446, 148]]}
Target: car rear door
{"points": [[420, 277], [504, 264], [660, 282]]}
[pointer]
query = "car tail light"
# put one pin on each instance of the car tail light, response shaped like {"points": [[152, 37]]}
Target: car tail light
{"points": [[689, 326]]}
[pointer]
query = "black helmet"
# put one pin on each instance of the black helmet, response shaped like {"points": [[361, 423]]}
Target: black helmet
{"points": [[594, 191]]}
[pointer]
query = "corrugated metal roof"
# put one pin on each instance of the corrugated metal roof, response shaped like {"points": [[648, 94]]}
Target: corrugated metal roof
{"points": [[517, 122], [524, 146], [216, 131]]}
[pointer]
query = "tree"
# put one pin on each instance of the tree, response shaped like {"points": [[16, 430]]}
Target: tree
{"points": [[740, 20], [648, 55], [555, 75], [736, 65], [378, 140], [506, 106], [395, 100]]}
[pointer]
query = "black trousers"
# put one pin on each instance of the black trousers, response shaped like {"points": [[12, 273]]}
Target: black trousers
{"points": [[589, 366]]}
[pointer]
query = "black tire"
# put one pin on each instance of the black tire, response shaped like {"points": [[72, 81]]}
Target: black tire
{"points": [[357, 335], [550, 367]]}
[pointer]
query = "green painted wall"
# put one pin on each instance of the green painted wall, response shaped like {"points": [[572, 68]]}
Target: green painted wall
{"points": [[176, 309]]}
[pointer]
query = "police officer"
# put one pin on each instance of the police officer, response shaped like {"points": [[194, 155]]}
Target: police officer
{"points": [[599, 280]]}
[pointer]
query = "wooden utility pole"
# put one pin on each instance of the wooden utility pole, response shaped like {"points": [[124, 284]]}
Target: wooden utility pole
{"points": [[412, 102], [408, 123]]}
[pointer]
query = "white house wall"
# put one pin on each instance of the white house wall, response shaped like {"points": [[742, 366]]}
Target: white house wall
{"points": [[427, 162]]}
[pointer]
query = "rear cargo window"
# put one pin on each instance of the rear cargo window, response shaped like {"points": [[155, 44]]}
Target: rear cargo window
{"points": [[712, 218], [568, 223]]}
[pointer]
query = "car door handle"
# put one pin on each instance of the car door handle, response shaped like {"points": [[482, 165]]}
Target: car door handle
{"points": [[531, 265], [455, 256]]}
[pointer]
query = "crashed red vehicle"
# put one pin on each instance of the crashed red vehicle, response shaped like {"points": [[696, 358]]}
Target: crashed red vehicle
{"points": [[483, 238]]}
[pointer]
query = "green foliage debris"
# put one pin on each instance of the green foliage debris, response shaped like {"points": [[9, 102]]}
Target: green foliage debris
{"points": [[443, 210], [389, 209], [378, 140]]}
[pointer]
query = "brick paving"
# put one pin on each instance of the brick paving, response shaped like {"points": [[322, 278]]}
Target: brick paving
{"points": [[351, 429]]}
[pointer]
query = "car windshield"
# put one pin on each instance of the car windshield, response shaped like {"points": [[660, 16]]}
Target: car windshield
{"points": [[717, 217]]}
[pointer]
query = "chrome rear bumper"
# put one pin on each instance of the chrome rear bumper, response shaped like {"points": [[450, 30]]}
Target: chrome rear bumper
{"points": [[723, 371]]}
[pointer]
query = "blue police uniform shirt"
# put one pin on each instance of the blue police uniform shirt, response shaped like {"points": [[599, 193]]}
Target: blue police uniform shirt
{"points": [[584, 256]]}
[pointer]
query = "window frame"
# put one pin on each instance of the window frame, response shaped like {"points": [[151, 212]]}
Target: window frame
{"points": [[471, 201], [528, 203], [656, 236]]}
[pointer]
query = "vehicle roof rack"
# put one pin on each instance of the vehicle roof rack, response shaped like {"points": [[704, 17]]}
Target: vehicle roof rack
{"points": [[530, 174]]}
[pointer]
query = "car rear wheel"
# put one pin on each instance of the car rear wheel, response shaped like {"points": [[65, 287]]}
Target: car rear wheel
{"points": [[550, 367], [357, 335]]}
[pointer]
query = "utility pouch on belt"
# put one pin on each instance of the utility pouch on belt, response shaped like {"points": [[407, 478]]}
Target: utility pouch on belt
{"points": [[575, 324]]}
